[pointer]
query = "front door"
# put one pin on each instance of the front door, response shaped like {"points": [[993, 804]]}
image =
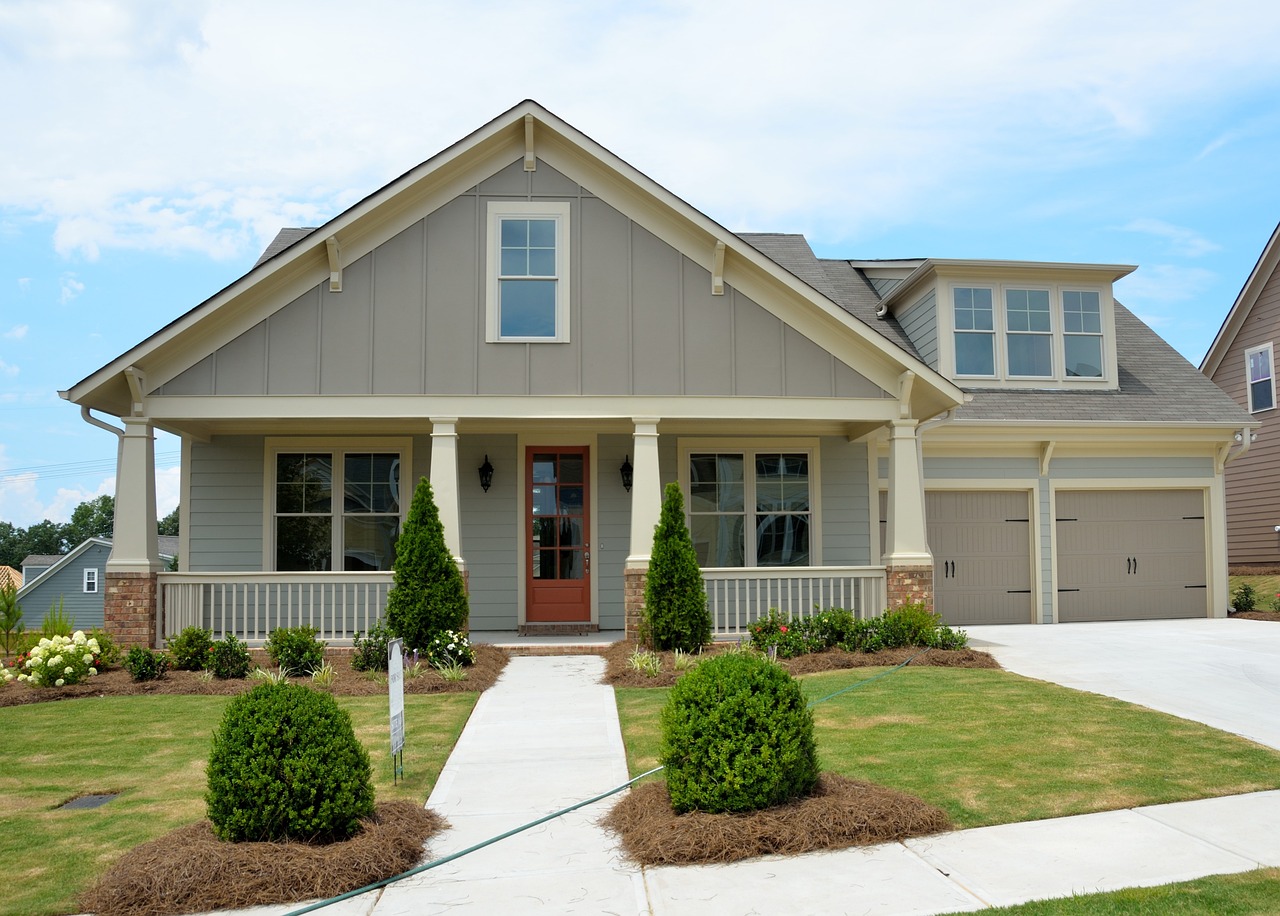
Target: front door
{"points": [[557, 538]]}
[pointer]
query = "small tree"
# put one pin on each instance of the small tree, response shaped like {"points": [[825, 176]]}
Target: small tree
{"points": [[675, 604], [429, 596]]}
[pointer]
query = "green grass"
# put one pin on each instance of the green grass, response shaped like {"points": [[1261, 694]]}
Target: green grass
{"points": [[152, 750], [990, 747], [1267, 589], [1250, 893]]}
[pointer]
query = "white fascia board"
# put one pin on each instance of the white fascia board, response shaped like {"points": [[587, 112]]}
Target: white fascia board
{"points": [[1258, 277], [931, 266]]}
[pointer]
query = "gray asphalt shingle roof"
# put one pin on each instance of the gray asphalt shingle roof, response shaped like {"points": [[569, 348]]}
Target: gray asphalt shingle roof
{"points": [[284, 238]]}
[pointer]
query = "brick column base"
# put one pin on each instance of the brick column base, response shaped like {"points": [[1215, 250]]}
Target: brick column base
{"points": [[909, 585], [633, 581], [129, 609]]}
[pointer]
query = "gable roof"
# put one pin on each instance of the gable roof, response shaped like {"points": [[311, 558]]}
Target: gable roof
{"points": [[10, 576], [168, 550], [1262, 271], [297, 256]]}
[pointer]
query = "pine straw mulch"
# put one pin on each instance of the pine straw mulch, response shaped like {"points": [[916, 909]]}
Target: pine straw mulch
{"points": [[841, 813], [620, 674], [190, 870], [490, 660]]}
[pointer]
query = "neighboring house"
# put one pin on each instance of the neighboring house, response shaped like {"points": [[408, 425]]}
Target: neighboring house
{"points": [[10, 577], [551, 337], [75, 579], [1242, 361]]}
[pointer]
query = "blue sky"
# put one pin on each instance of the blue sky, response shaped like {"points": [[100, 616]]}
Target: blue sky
{"points": [[154, 148]]}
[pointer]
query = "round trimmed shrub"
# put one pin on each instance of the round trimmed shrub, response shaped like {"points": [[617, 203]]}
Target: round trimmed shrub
{"points": [[286, 765], [737, 736], [295, 649], [190, 649], [228, 659]]}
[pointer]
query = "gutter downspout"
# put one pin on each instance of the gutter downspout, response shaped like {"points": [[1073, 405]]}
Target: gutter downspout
{"points": [[1247, 438]]}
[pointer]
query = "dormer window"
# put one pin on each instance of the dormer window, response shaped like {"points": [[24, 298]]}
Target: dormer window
{"points": [[975, 332], [1082, 333], [1030, 333]]}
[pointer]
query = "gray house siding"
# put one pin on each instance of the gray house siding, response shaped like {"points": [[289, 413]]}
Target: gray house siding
{"points": [[920, 322], [84, 609], [225, 514], [846, 506], [490, 537], [612, 539]]}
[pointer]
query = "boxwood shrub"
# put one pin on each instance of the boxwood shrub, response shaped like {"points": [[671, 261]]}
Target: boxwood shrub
{"points": [[737, 736], [295, 649], [145, 664], [229, 659], [286, 765], [190, 649]]}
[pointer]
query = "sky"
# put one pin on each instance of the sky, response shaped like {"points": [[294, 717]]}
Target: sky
{"points": [[150, 150]]}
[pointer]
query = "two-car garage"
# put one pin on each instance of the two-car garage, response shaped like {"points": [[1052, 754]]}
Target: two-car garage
{"points": [[1121, 554]]}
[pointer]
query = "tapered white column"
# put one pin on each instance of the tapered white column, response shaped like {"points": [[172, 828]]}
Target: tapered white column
{"points": [[133, 544], [646, 493], [444, 481], [906, 541]]}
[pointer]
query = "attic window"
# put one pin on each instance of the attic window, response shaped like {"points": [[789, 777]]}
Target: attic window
{"points": [[1260, 374], [90, 581], [528, 287]]}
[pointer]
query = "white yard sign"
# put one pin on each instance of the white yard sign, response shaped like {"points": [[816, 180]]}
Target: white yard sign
{"points": [[395, 686]]}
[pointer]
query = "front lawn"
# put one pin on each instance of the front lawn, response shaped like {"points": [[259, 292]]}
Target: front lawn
{"points": [[990, 747], [152, 750]]}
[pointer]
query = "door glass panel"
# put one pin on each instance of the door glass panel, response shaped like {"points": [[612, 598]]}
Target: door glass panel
{"points": [[544, 468], [570, 564], [544, 500], [570, 469], [544, 532], [570, 500], [543, 565], [570, 532]]}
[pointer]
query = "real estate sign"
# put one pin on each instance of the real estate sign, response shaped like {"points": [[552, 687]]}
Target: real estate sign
{"points": [[395, 687]]}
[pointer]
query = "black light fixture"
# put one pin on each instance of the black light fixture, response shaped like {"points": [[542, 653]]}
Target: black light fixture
{"points": [[625, 471], [486, 475]]}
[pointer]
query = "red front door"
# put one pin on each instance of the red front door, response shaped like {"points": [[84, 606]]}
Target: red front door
{"points": [[557, 537]]}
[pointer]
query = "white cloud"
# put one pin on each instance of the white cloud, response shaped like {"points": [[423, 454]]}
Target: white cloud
{"points": [[168, 489], [1182, 241], [24, 284], [70, 288], [8, 369], [17, 332]]}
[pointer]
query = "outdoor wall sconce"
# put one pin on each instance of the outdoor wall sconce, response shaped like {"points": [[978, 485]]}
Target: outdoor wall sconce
{"points": [[486, 475], [625, 471]]}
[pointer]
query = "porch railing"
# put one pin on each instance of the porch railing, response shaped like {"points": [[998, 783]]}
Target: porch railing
{"points": [[739, 596], [250, 605]]}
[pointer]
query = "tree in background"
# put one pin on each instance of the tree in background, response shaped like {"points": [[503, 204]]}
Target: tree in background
{"points": [[93, 518], [675, 603], [429, 595], [168, 526]]}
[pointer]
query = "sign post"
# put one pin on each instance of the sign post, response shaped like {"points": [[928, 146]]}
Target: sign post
{"points": [[395, 687]]}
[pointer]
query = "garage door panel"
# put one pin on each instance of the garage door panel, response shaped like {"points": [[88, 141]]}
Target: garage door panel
{"points": [[981, 544]]}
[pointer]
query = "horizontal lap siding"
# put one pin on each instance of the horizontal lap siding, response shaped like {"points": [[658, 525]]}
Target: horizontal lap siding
{"points": [[489, 532], [225, 515], [920, 323], [612, 538], [67, 585], [846, 533]]}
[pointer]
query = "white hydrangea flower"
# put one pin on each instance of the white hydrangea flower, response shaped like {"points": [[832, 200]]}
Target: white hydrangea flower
{"points": [[59, 682], [93, 672]]}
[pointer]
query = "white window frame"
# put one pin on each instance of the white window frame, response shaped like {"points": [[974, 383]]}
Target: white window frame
{"points": [[558, 211], [90, 580], [1249, 381], [1053, 334], [338, 449], [749, 448], [1100, 334], [992, 335]]}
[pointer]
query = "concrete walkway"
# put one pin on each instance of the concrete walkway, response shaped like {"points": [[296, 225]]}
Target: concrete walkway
{"points": [[547, 736]]}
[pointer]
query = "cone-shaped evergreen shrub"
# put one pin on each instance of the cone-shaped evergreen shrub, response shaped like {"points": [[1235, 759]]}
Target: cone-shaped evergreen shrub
{"points": [[286, 765], [429, 595], [737, 736], [675, 604]]}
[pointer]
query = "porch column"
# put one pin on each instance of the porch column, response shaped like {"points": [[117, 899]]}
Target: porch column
{"points": [[646, 510], [444, 481], [908, 562], [130, 601]]}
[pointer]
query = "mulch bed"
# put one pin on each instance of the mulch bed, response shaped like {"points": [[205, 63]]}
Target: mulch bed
{"points": [[841, 813], [620, 674], [348, 682], [190, 870], [1255, 615]]}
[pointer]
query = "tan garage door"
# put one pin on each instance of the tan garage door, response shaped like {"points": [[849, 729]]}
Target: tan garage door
{"points": [[981, 545], [1130, 555]]}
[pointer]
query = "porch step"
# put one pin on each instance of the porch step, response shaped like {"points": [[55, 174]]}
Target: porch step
{"points": [[557, 629], [542, 642]]}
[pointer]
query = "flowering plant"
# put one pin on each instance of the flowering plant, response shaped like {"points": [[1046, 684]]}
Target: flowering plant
{"points": [[5, 674], [60, 660], [449, 647]]}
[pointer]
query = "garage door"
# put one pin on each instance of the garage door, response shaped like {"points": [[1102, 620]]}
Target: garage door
{"points": [[981, 545], [1130, 555]]}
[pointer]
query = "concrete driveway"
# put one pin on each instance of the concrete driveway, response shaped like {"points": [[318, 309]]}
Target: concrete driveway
{"points": [[1225, 673]]}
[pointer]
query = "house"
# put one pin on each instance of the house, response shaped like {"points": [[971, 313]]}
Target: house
{"points": [[73, 581], [10, 578], [551, 336], [1242, 362]]}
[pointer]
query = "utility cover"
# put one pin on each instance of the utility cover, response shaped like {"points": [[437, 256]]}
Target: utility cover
{"points": [[87, 801]]}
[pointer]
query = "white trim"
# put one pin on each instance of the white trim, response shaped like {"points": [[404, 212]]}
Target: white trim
{"points": [[498, 210], [89, 580], [1248, 376], [748, 447]]}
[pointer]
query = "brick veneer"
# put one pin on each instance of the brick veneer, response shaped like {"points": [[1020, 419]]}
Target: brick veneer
{"points": [[908, 585], [633, 581], [129, 608]]}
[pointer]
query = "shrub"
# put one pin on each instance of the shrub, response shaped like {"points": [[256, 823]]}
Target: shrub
{"points": [[56, 622], [295, 649], [428, 596], [229, 659], [907, 625], [450, 648], [145, 664], [286, 764], [58, 661], [1244, 597], [675, 603], [737, 736], [108, 652], [190, 648], [371, 650]]}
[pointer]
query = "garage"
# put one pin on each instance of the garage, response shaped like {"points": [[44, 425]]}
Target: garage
{"points": [[981, 546], [1130, 554]]}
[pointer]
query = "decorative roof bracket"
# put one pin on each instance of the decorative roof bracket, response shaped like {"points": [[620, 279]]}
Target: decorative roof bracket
{"points": [[530, 160], [1046, 455], [335, 263], [137, 380], [906, 381], [717, 270]]}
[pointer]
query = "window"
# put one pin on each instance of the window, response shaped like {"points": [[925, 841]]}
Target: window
{"points": [[975, 332], [1081, 333], [343, 503], [1261, 378], [750, 507], [528, 288], [90, 581], [1029, 333]]}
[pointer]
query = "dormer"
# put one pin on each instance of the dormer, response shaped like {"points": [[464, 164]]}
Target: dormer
{"points": [[1007, 324]]}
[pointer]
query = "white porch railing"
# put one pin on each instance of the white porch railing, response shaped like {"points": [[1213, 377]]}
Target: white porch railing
{"points": [[739, 596], [249, 605]]}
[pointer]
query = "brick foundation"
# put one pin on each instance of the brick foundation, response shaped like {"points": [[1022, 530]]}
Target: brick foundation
{"points": [[633, 581], [908, 585], [129, 609]]}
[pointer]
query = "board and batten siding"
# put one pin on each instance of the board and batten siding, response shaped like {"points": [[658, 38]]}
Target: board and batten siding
{"points": [[1253, 481], [411, 319], [920, 323], [67, 585]]}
